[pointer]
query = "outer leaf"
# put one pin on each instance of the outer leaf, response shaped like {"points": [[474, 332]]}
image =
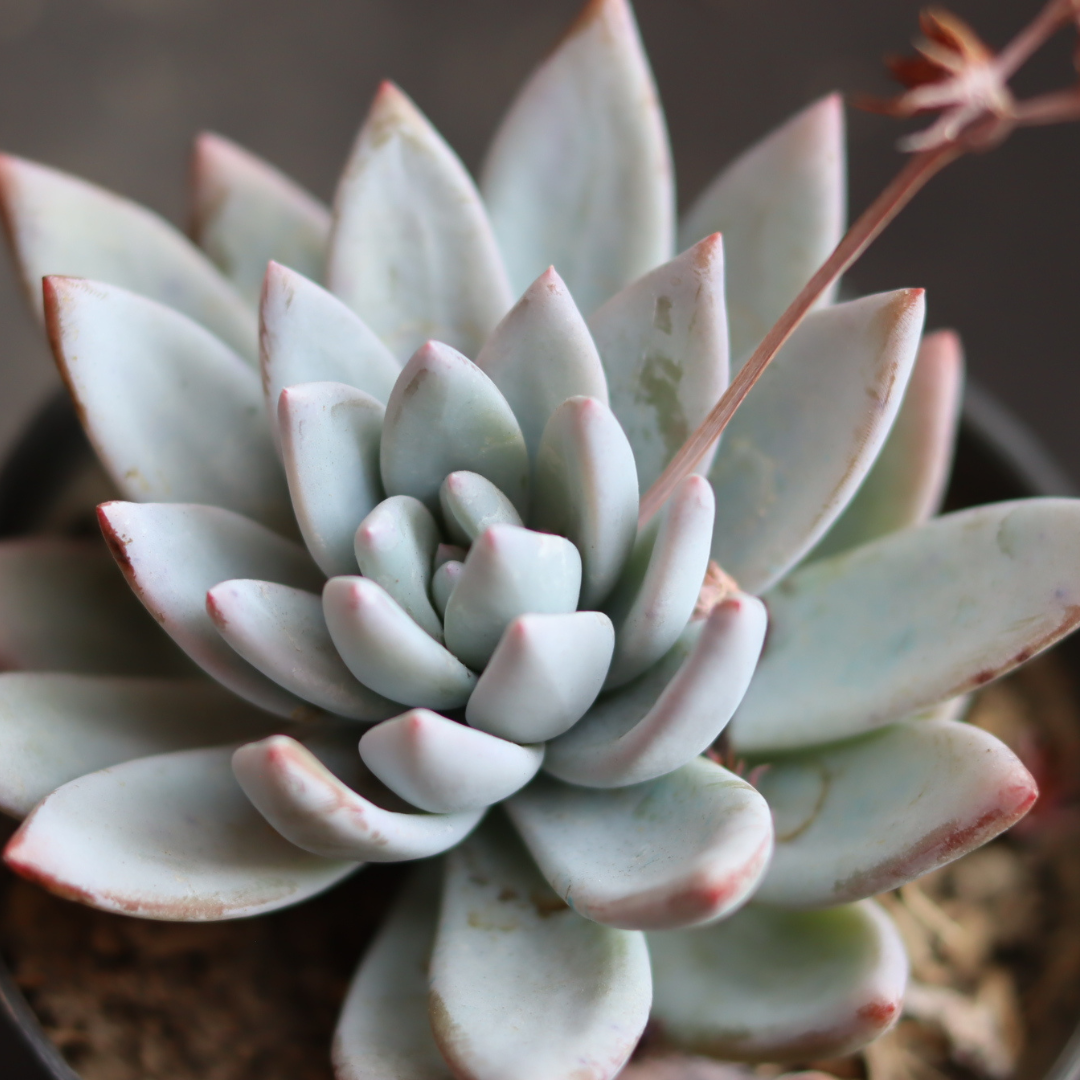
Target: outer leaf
{"points": [[892, 627], [664, 343], [770, 985], [59, 224], [172, 554], [309, 805], [678, 851], [173, 413], [674, 711], [282, 632], [544, 674], [330, 436], [907, 483], [867, 815], [579, 174], [445, 414], [781, 208], [445, 767], [246, 212], [308, 335], [166, 837], [800, 445], [412, 250], [54, 728], [521, 987], [541, 354], [63, 607], [586, 489], [383, 1032]]}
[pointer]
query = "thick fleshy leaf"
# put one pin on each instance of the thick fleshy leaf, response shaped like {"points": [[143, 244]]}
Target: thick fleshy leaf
{"points": [[681, 850], [386, 650], [383, 1032], [445, 414], [669, 715], [522, 987], [166, 837], [664, 343], [309, 805], [579, 174], [443, 583], [330, 436], [308, 335], [544, 674], [64, 607], [907, 483], [412, 251], [395, 547], [173, 553], [60, 224], [55, 728], [781, 208], [245, 212], [660, 584], [444, 767], [768, 985], [470, 504], [282, 632], [508, 572], [873, 634], [174, 414], [586, 489], [541, 354], [801, 443], [867, 815]]}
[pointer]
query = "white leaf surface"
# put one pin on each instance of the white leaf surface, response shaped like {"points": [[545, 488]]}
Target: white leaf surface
{"points": [[445, 767], [308, 804], [65, 607], [412, 251], [579, 173], [781, 207], [330, 436], [383, 1032], [521, 987], [664, 344], [470, 504], [681, 850], [166, 837], [669, 715], [55, 728], [769, 985], [869, 814], [395, 547], [800, 445], [544, 674], [173, 553], [60, 224], [541, 354], [586, 489], [246, 212], [307, 334], [907, 483], [445, 415], [508, 572], [659, 587], [281, 631], [386, 650], [174, 414], [892, 627]]}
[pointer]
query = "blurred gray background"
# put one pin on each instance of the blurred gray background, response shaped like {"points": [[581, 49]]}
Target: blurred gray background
{"points": [[114, 90]]}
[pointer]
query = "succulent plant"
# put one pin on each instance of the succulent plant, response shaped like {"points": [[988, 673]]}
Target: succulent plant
{"points": [[421, 533]]}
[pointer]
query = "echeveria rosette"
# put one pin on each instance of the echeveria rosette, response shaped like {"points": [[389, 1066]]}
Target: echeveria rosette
{"points": [[473, 601]]}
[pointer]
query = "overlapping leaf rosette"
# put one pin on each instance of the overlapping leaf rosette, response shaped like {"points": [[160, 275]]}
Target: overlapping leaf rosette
{"points": [[418, 531]]}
